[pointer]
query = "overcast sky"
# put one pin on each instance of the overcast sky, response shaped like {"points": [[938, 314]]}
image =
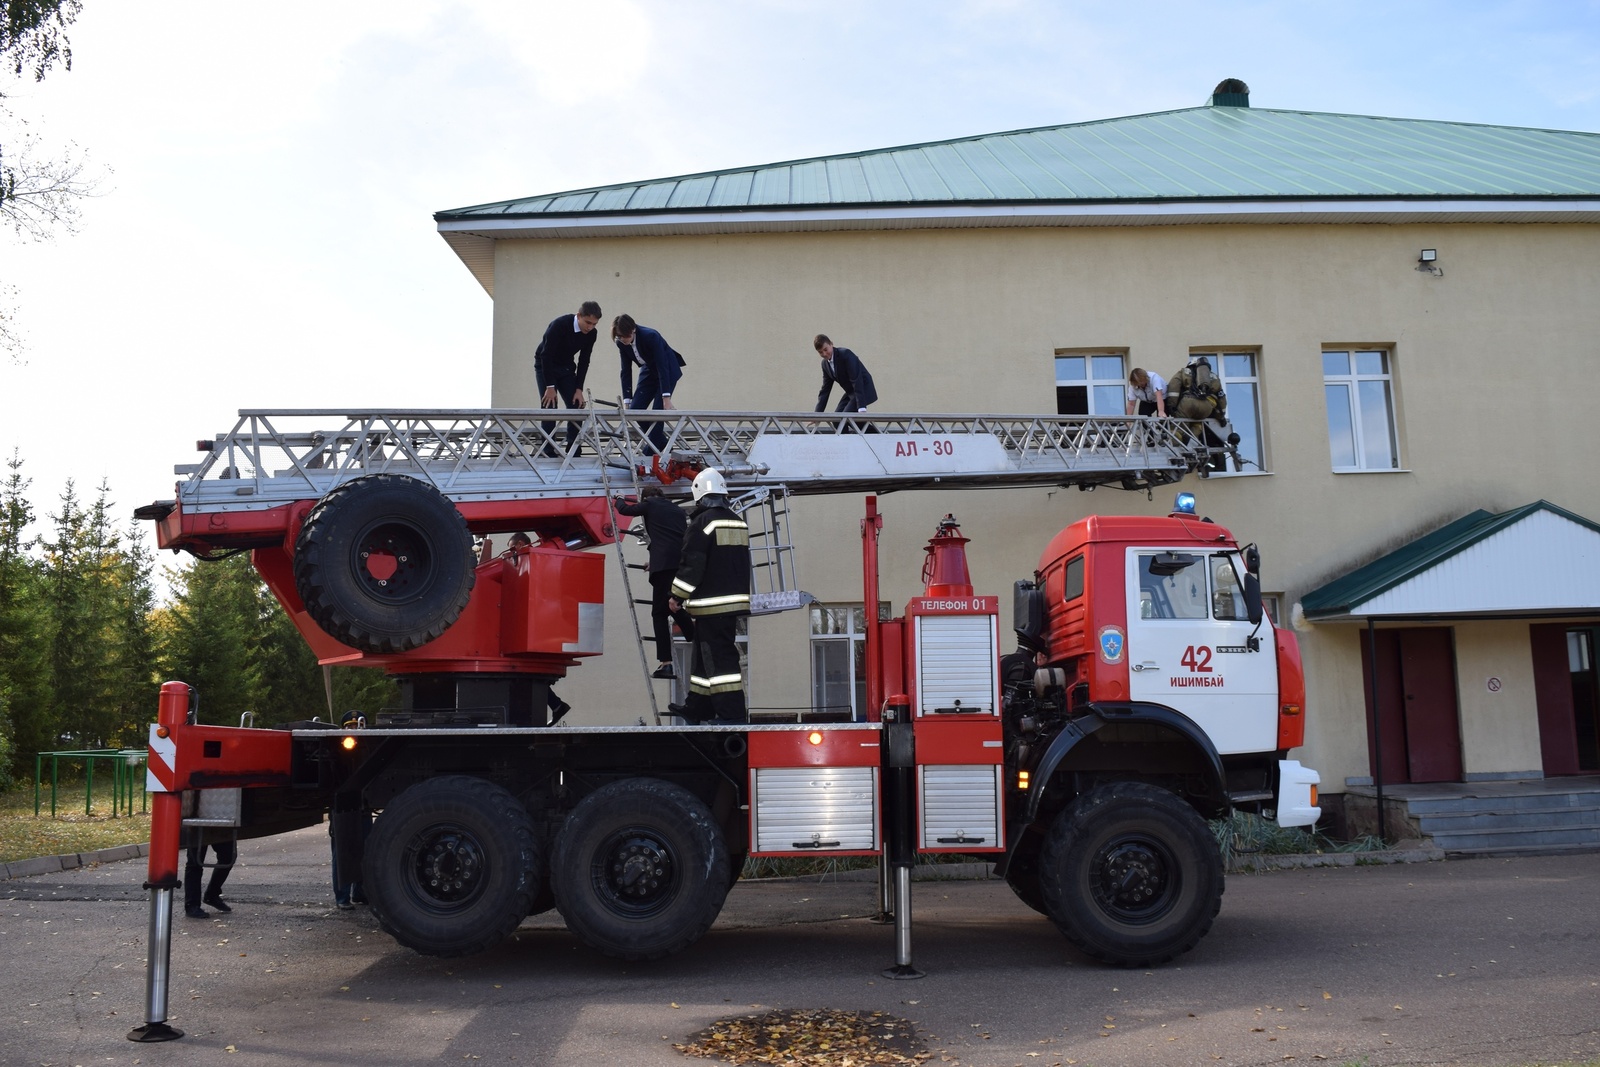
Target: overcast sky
{"points": [[264, 237]]}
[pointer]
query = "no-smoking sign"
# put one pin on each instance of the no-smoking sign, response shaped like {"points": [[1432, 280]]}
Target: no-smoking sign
{"points": [[1493, 685]]}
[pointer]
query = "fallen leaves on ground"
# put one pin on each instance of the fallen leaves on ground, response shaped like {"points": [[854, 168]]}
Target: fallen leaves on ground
{"points": [[821, 1037]]}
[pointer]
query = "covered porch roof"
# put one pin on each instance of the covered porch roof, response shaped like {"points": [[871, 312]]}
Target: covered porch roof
{"points": [[1536, 560]]}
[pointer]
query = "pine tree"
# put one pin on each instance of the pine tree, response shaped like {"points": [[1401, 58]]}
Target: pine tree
{"points": [[74, 640], [24, 630], [297, 686], [208, 637], [138, 685]]}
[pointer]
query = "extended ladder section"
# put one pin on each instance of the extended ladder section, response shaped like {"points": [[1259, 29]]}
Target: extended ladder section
{"points": [[271, 458]]}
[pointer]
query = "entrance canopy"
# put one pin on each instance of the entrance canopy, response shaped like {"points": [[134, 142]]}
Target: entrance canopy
{"points": [[1537, 560]]}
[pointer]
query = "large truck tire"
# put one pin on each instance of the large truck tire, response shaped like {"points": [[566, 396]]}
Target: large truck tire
{"points": [[640, 870], [1131, 875], [384, 563], [452, 866]]}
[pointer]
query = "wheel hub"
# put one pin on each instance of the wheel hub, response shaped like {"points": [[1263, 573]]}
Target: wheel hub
{"points": [[1134, 879], [449, 867], [391, 558], [637, 872]]}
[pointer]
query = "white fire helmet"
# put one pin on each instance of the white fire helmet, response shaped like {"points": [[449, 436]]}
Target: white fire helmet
{"points": [[709, 481]]}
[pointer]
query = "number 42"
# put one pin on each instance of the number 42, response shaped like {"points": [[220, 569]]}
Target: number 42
{"points": [[1197, 659]]}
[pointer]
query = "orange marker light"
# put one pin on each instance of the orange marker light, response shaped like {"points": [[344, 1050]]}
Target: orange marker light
{"points": [[349, 744], [162, 731], [815, 738], [1313, 796], [1023, 780]]}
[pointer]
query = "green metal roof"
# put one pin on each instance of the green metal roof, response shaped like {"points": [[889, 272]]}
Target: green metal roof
{"points": [[1214, 152], [1344, 596]]}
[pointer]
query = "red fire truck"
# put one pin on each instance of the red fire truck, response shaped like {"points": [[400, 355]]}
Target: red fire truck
{"points": [[1148, 692]]}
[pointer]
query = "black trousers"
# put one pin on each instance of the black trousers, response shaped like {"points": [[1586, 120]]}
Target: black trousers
{"points": [[648, 396], [662, 615], [567, 390], [193, 872], [716, 686]]}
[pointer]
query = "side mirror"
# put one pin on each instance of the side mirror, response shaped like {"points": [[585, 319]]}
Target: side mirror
{"points": [[1252, 559], [1027, 614], [1252, 597]]}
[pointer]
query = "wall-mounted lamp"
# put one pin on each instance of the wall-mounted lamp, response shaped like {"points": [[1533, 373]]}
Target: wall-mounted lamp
{"points": [[1426, 262]]}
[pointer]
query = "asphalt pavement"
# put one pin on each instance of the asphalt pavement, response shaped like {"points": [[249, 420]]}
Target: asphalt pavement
{"points": [[1484, 961]]}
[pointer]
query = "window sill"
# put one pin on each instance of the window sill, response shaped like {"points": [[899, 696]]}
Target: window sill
{"points": [[1238, 474], [1372, 470]]}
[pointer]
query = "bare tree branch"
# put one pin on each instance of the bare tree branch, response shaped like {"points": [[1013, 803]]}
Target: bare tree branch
{"points": [[12, 344], [39, 195]]}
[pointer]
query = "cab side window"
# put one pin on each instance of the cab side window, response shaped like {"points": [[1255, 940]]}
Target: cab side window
{"points": [[1072, 580], [1172, 586], [1227, 591]]}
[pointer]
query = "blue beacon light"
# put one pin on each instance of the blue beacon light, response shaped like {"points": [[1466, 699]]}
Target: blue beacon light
{"points": [[1184, 504]]}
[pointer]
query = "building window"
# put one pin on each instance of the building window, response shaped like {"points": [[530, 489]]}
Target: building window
{"points": [[1090, 383], [1360, 397], [839, 660], [1241, 383]]}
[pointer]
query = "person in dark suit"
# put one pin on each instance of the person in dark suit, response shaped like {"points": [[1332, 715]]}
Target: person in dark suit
{"points": [[659, 370], [664, 524], [227, 851], [561, 363], [845, 367]]}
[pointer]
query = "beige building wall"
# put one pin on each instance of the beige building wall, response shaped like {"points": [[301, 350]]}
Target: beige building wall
{"points": [[1490, 365]]}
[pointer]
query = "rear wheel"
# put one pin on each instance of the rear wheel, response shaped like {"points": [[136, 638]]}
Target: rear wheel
{"points": [[640, 870], [384, 563], [1131, 874], [452, 866]]}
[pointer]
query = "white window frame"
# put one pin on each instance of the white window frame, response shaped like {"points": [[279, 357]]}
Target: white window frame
{"points": [[1218, 358], [855, 636], [1351, 382], [1090, 382]]}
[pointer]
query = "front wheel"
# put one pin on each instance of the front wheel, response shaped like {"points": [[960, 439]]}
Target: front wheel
{"points": [[1131, 874], [452, 866], [640, 870]]}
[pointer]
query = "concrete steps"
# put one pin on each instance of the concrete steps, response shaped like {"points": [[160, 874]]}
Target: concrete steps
{"points": [[1535, 821]]}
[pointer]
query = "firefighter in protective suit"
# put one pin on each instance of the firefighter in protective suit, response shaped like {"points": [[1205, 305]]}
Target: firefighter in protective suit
{"points": [[713, 586], [1196, 393]]}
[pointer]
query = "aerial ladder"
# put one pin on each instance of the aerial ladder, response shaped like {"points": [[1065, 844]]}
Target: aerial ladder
{"points": [[361, 521]]}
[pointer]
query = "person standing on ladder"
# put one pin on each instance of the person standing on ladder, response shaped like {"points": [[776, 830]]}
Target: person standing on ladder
{"points": [[664, 525], [713, 585]]}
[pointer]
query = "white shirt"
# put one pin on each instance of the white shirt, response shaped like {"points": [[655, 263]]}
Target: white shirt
{"points": [[1157, 387]]}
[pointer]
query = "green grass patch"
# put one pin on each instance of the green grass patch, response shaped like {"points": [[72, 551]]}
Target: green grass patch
{"points": [[26, 836], [1245, 834]]}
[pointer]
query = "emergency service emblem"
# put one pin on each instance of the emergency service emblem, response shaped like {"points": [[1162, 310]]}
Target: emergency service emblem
{"points": [[1112, 644]]}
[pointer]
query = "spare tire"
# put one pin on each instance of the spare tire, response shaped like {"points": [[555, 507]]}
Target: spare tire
{"points": [[384, 563]]}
